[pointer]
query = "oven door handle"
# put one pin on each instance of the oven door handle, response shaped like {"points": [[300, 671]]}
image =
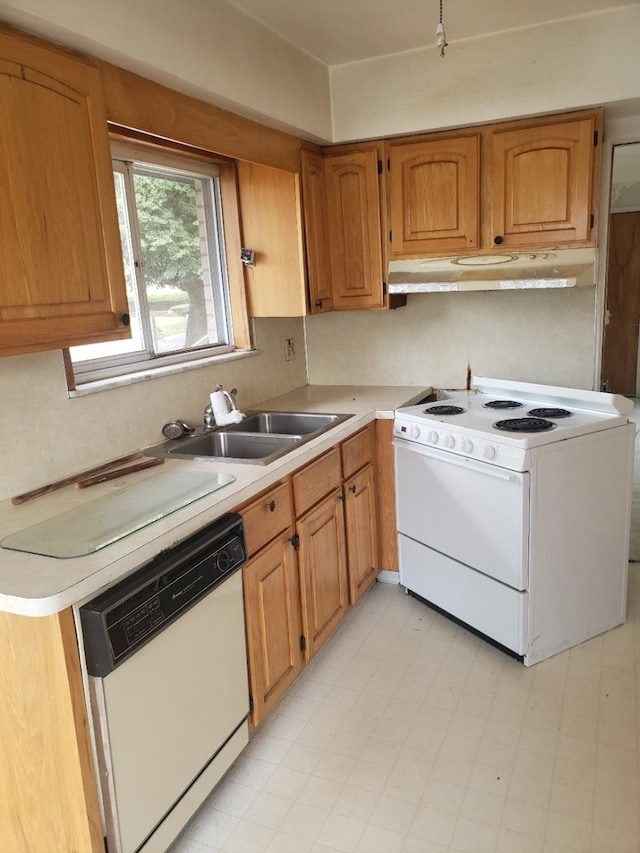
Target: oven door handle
{"points": [[461, 461]]}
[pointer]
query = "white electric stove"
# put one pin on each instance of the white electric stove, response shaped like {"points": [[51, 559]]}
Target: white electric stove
{"points": [[513, 506]]}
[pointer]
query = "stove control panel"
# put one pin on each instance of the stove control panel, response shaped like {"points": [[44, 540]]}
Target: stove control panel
{"points": [[456, 442]]}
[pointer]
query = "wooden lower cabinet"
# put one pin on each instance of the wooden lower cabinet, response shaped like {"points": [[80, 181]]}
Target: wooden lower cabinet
{"points": [[48, 792], [362, 532], [313, 547], [323, 570], [386, 496], [273, 620]]}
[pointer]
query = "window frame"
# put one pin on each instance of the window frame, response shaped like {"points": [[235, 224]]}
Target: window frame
{"points": [[225, 246]]}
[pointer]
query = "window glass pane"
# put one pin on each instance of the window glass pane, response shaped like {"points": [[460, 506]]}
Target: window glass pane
{"points": [[173, 211], [171, 225], [134, 344]]}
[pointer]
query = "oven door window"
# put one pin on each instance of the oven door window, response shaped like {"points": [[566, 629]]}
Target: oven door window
{"points": [[475, 513]]}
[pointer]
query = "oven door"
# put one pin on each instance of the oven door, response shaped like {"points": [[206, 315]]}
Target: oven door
{"points": [[473, 512]]}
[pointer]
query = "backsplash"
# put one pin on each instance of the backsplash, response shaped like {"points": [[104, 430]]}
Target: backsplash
{"points": [[47, 435], [531, 336]]}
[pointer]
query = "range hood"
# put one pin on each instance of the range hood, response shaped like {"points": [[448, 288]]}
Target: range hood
{"points": [[499, 271]]}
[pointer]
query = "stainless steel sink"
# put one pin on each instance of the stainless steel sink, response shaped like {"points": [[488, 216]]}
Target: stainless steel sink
{"points": [[249, 447], [287, 423], [259, 439]]}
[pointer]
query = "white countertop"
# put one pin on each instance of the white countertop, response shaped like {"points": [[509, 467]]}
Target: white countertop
{"points": [[33, 585]]}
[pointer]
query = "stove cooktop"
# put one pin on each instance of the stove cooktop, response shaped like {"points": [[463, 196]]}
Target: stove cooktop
{"points": [[516, 416]]}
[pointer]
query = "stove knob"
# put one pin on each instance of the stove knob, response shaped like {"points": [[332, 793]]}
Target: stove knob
{"points": [[490, 452], [450, 442], [467, 446], [432, 438], [414, 432]]}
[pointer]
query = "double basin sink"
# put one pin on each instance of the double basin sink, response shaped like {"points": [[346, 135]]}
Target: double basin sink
{"points": [[259, 439]]}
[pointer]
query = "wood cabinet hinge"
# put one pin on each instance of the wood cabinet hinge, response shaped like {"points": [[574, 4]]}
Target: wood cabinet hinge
{"points": [[303, 643], [592, 221], [295, 541], [379, 167], [388, 164], [251, 704], [595, 138], [391, 236]]}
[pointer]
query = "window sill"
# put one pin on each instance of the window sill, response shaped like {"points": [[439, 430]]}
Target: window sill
{"points": [[106, 384]]}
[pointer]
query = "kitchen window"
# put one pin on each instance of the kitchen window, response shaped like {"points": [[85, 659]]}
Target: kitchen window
{"points": [[171, 228]]}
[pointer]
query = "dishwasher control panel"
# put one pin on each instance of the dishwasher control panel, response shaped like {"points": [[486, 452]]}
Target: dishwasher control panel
{"points": [[118, 622]]}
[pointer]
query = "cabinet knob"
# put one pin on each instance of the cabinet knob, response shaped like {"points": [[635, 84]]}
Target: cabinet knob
{"points": [[352, 489], [498, 240], [271, 506], [318, 303], [125, 319]]}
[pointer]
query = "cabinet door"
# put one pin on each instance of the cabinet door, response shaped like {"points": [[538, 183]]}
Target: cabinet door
{"points": [[542, 184], [61, 276], [362, 532], [48, 794], [314, 205], [273, 624], [323, 567], [353, 203], [272, 226], [434, 196], [386, 497]]}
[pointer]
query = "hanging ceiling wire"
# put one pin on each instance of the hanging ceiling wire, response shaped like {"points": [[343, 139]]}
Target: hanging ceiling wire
{"points": [[441, 36]]}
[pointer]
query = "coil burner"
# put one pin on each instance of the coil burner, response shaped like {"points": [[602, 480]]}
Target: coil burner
{"points": [[524, 425]]}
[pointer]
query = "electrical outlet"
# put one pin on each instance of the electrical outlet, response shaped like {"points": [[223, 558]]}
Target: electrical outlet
{"points": [[289, 349]]}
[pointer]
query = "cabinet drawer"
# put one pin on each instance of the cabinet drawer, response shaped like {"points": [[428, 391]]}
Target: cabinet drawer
{"points": [[357, 451], [267, 516], [316, 480]]}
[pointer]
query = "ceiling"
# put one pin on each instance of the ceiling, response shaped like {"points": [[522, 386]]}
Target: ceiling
{"points": [[340, 31]]}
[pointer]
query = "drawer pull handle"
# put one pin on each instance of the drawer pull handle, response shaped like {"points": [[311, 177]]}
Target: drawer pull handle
{"points": [[352, 489], [271, 506]]}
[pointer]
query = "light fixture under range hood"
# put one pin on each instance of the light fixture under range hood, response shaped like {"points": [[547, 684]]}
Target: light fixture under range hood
{"points": [[500, 271]]}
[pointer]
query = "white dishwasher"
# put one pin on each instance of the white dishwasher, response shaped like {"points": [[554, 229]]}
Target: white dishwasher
{"points": [[166, 659]]}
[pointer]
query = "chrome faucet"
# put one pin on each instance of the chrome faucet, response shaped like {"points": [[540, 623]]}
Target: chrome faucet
{"points": [[231, 397], [209, 419]]}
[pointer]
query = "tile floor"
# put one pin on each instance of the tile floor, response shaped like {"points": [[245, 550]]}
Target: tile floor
{"points": [[407, 734]]}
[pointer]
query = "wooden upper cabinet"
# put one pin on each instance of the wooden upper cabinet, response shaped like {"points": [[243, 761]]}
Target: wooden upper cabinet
{"points": [[314, 201], [354, 227], [271, 216], [61, 276], [544, 183], [434, 195]]}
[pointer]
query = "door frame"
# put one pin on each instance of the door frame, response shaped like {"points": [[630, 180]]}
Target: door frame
{"points": [[617, 131]]}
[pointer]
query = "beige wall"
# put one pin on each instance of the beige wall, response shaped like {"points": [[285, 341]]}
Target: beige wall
{"points": [[204, 48], [222, 56], [582, 62], [47, 436], [539, 336]]}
